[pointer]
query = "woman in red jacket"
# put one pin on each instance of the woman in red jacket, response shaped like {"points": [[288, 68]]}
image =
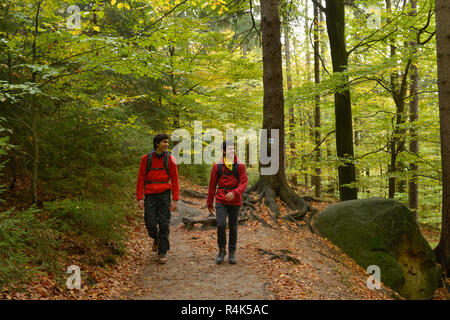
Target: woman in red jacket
{"points": [[231, 180]]}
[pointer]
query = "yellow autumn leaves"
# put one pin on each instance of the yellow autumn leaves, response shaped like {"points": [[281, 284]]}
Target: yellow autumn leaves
{"points": [[169, 4], [120, 5]]}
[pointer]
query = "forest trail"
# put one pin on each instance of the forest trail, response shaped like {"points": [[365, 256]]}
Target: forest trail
{"points": [[304, 266], [323, 272], [192, 274]]}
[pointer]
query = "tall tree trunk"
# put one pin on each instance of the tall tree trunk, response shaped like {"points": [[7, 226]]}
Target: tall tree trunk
{"points": [[317, 177], [356, 133], [399, 138], [397, 143], [35, 113], [273, 109], [335, 16], [392, 167], [287, 54], [295, 47], [308, 77], [413, 187], [307, 50], [442, 250]]}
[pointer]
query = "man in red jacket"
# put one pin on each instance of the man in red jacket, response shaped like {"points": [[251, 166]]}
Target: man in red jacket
{"points": [[230, 177], [155, 181]]}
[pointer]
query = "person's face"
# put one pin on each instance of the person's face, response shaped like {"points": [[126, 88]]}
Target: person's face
{"points": [[163, 145], [229, 153]]}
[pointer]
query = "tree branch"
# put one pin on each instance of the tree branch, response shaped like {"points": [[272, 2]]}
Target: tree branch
{"points": [[320, 6]]}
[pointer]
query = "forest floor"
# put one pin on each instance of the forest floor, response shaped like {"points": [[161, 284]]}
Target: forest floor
{"points": [[306, 266]]}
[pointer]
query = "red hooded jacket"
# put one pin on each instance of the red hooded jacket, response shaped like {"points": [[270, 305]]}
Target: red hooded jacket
{"points": [[227, 181], [158, 175]]}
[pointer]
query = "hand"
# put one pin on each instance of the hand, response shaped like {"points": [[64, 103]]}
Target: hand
{"points": [[141, 204], [211, 210], [229, 196], [173, 206]]}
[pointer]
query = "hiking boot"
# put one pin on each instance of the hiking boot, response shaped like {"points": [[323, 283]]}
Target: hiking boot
{"points": [[162, 259], [231, 256], [221, 255], [155, 245]]}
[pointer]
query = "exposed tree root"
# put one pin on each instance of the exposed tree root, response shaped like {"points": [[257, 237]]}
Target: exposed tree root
{"points": [[193, 194], [298, 215], [309, 219], [265, 188], [309, 199], [282, 256]]}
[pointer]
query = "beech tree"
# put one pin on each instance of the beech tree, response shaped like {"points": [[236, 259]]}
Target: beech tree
{"points": [[442, 250], [273, 109], [335, 19]]}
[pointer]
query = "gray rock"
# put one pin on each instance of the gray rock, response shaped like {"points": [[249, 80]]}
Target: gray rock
{"points": [[184, 210], [383, 232]]}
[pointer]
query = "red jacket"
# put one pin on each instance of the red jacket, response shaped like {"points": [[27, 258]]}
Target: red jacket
{"points": [[227, 181], [158, 175]]}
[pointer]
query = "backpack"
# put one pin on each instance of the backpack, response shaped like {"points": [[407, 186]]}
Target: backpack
{"points": [[149, 167], [234, 172]]}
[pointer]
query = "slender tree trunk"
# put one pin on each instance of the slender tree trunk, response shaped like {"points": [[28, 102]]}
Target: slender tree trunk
{"points": [[392, 167], [357, 172], [442, 250], [397, 143], [413, 187], [12, 158], [401, 165], [307, 50], [287, 53], [35, 114], [318, 171], [295, 47], [273, 108], [335, 17], [323, 53], [308, 76]]}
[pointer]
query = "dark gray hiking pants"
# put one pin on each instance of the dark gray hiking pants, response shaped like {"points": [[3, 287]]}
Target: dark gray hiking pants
{"points": [[222, 210], [157, 218]]}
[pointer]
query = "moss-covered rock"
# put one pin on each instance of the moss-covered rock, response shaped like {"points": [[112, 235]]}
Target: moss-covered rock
{"points": [[383, 232]]}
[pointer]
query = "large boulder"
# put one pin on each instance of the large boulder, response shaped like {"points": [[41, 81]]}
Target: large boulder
{"points": [[383, 232]]}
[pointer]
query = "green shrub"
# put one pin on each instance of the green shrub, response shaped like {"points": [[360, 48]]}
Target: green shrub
{"points": [[96, 219], [26, 245]]}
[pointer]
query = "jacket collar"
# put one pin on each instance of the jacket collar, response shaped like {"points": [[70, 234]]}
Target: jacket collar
{"points": [[159, 155]]}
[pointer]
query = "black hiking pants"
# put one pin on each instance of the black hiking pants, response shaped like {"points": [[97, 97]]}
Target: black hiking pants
{"points": [[157, 218], [222, 211]]}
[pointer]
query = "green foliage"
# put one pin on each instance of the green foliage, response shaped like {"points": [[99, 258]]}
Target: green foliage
{"points": [[26, 245], [87, 217], [88, 101]]}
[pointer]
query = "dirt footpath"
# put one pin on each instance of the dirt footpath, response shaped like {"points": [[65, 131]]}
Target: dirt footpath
{"points": [[283, 262], [191, 272]]}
